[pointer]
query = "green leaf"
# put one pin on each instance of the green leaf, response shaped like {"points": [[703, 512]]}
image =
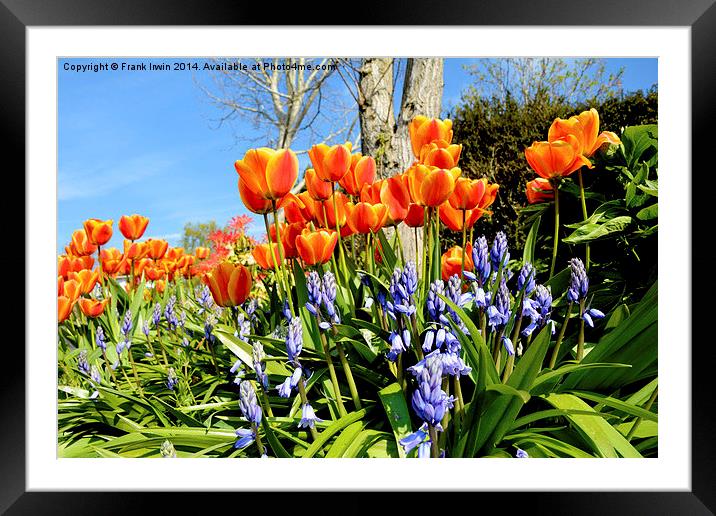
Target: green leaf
{"points": [[591, 232], [396, 408], [273, 441], [604, 438], [343, 441], [332, 429], [548, 379], [528, 255], [648, 213], [614, 403]]}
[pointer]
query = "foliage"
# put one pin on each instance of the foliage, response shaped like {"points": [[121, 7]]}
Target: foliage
{"points": [[196, 234], [509, 107]]}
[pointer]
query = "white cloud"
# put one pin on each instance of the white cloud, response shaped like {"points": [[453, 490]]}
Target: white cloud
{"points": [[73, 183]]}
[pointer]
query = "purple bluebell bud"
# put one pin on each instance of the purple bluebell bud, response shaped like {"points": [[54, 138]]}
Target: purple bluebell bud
{"points": [[435, 303], [398, 344], [526, 279], [246, 436], [169, 313], [95, 375], [258, 356], [126, 324], [294, 339], [429, 401], [156, 314], [172, 379], [205, 299], [410, 278], [145, 328], [499, 253], [100, 340], [521, 454], [507, 343], [248, 403], [313, 285], [82, 363], [481, 259], [498, 313], [578, 282], [308, 417], [590, 314]]}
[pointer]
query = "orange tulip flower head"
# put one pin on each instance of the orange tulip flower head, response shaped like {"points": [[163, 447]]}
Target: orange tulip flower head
{"points": [[424, 130], [556, 159], [229, 284], [331, 163], [316, 247], [98, 231], [133, 226], [267, 173], [585, 127]]}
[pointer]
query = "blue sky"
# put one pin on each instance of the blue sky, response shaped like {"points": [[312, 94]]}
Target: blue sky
{"points": [[147, 143]]}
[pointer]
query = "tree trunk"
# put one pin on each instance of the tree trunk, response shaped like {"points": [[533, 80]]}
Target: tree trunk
{"points": [[386, 139]]}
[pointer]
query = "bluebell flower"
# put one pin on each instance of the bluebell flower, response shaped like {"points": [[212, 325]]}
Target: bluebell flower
{"points": [[435, 304], [156, 314], [538, 310], [328, 295], [315, 297], [251, 307], [526, 279], [286, 311], [169, 313], [209, 327], [453, 365], [429, 401], [578, 282], [248, 403], [498, 313], [507, 343], [246, 436], [95, 375], [244, 326], [258, 356], [481, 259], [416, 439], [294, 339], [145, 328], [400, 292], [172, 379], [410, 278], [399, 342], [126, 327], [590, 314], [481, 298], [82, 363], [499, 253], [205, 300], [100, 339], [308, 417], [521, 454]]}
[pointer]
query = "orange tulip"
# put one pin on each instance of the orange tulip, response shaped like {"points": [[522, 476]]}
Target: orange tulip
{"points": [[416, 216], [133, 226], [451, 261], [64, 308], [229, 283], [141, 265], [539, 190], [267, 173], [331, 163], [174, 253], [153, 273], [300, 208], [326, 214], [424, 130], [435, 155], [289, 232], [453, 218], [110, 259], [72, 289], [184, 264], [81, 245], [262, 255], [60, 285], [431, 186], [467, 193], [366, 218], [202, 253], [87, 279], [395, 195], [159, 286], [316, 247], [156, 248], [361, 172], [558, 158], [585, 127], [98, 231], [254, 202], [490, 194], [318, 189], [67, 264], [134, 250], [92, 307]]}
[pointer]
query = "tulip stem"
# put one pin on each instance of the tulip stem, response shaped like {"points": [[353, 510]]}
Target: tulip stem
{"points": [[331, 371], [341, 255], [555, 242], [584, 214], [349, 375], [400, 244], [464, 237], [284, 277]]}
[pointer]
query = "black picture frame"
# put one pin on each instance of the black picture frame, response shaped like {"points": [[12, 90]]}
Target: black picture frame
{"points": [[700, 15]]}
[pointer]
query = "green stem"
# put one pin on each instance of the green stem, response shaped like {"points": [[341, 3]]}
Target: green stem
{"points": [[584, 215], [349, 376], [555, 241], [580, 339], [331, 371], [434, 447], [259, 444], [555, 352], [284, 277], [648, 405], [341, 255]]}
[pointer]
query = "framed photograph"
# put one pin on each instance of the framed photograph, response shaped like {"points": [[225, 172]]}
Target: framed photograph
{"points": [[306, 258]]}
